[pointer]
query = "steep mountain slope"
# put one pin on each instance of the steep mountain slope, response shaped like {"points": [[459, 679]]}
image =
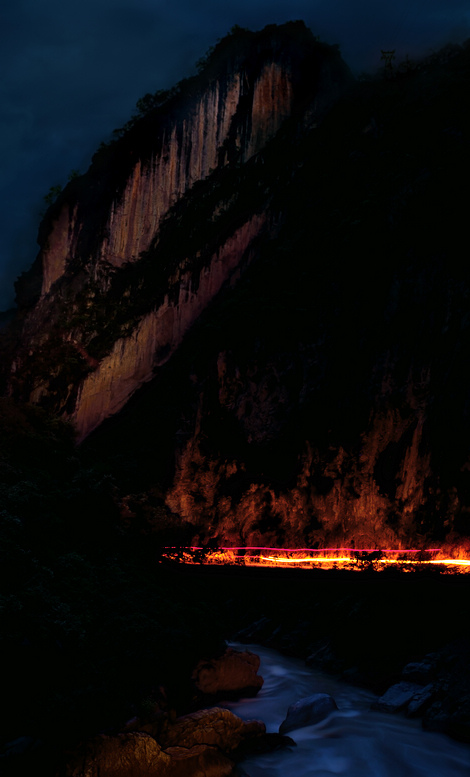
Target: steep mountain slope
{"points": [[321, 395], [118, 292]]}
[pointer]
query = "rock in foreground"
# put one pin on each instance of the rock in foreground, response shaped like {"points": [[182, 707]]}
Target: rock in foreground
{"points": [[129, 755], [119, 756]]}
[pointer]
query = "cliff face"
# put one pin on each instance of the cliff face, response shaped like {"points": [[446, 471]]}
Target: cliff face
{"points": [[113, 326], [190, 153], [154, 339], [369, 494], [281, 268], [323, 400], [227, 117], [187, 150]]}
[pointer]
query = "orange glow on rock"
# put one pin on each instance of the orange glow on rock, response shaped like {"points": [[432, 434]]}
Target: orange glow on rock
{"points": [[339, 498]]}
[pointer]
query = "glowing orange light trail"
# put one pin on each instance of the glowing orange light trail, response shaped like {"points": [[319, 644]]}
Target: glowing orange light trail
{"points": [[348, 558], [306, 559]]}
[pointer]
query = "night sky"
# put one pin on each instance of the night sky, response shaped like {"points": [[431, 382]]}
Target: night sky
{"points": [[71, 73]]}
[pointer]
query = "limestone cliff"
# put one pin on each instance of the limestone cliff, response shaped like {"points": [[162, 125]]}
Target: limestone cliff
{"points": [[324, 398], [333, 498], [123, 274], [133, 359], [275, 253]]}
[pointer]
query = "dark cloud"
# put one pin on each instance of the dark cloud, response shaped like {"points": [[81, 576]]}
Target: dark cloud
{"points": [[71, 73]]}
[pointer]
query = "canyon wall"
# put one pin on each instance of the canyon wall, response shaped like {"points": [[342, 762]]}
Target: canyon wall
{"points": [[100, 328], [372, 492], [229, 119], [187, 151], [329, 405], [133, 359], [281, 269]]}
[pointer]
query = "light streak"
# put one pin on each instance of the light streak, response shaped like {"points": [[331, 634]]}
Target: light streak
{"points": [[307, 550], [309, 558], [319, 560]]}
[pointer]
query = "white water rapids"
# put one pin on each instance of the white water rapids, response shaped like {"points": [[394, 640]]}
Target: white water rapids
{"points": [[353, 741]]}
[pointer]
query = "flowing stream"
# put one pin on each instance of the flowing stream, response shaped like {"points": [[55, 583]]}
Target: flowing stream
{"points": [[354, 741]]}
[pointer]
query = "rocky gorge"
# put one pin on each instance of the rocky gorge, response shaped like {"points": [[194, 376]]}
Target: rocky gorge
{"points": [[247, 325], [297, 288]]}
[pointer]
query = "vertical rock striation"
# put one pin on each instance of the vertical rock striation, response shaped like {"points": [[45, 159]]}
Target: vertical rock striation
{"points": [[133, 251], [133, 359], [366, 494], [226, 118], [188, 152], [324, 398], [59, 247]]}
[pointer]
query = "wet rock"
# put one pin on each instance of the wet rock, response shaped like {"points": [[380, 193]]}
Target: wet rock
{"points": [[216, 726], [234, 673], [420, 672], [397, 697], [308, 711], [421, 700]]}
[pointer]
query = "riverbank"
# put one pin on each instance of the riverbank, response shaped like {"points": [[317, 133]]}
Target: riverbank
{"points": [[362, 627], [375, 629], [354, 740]]}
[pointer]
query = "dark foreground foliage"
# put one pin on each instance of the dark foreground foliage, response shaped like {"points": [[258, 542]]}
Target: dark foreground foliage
{"points": [[89, 621]]}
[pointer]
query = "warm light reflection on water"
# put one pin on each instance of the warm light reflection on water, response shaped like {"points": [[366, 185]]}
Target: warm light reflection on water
{"points": [[324, 558]]}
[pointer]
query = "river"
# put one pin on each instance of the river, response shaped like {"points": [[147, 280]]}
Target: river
{"points": [[354, 741]]}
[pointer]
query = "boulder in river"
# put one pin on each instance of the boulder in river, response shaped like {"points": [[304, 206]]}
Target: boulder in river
{"points": [[397, 697], [216, 726], [234, 673], [308, 711]]}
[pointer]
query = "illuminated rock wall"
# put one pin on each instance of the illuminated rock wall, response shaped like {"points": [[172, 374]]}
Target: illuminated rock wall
{"points": [[59, 247], [187, 150], [323, 399], [72, 358], [340, 498], [133, 360]]}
